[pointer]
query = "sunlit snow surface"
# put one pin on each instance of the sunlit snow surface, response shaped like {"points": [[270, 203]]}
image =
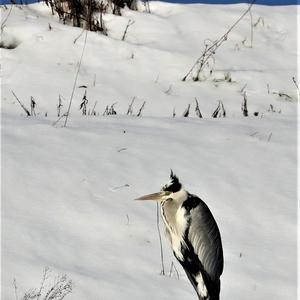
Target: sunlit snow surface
{"points": [[68, 193]]}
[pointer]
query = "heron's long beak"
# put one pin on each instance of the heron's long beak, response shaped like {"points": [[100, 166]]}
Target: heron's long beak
{"points": [[155, 196]]}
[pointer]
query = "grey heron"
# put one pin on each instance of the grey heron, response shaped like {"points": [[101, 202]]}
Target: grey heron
{"points": [[194, 236]]}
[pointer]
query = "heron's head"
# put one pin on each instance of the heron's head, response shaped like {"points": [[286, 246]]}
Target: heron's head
{"points": [[172, 190]]}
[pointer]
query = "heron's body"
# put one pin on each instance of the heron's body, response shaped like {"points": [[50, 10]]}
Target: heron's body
{"points": [[196, 243], [194, 236]]}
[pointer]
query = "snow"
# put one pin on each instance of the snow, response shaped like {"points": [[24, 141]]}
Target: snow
{"points": [[68, 193]]}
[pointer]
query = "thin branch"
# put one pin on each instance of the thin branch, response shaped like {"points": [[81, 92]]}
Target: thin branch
{"points": [[46, 270], [245, 106], [269, 137], [251, 23], [64, 115], [295, 82], [75, 40], [209, 51], [16, 289], [22, 105], [197, 109], [130, 111], [140, 110], [75, 81], [171, 270], [6, 18], [93, 113], [187, 111], [130, 22], [217, 110]]}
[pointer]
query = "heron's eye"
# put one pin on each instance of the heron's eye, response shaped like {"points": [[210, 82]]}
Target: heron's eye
{"points": [[167, 193]]}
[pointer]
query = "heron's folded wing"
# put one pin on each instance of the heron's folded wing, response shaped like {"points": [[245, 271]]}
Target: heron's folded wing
{"points": [[203, 234]]}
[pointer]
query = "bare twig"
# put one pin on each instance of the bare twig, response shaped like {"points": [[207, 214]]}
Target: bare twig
{"points": [[210, 51], [105, 113], [45, 273], [83, 104], [281, 94], [187, 111], [15, 288], [112, 110], [6, 18], [75, 81], [171, 270], [243, 89], [169, 90], [130, 110], [217, 110], [245, 106], [54, 123], [130, 22], [223, 110], [32, 106], [93, 112], [260, 19], [59, 106], [197, 109], [120, 187], [80, 34], [22, 105], [251, 24], [147, 6], [140, 110], [296, 84], [269, 137], [56, 290]]}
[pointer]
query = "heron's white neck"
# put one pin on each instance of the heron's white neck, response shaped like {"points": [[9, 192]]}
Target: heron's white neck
{"points": [[180, 196]]}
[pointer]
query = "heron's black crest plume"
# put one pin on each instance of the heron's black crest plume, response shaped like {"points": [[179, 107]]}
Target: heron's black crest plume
{"points": [[174, 185]]}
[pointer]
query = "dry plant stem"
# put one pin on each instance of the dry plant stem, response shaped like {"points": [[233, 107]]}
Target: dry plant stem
{"points": [[197, 109], [245, 106], [64, 115], [75, 40], [22, 105], [211, 50], [75, 81], [140, 110], [295, 82], [243, 88], [6, 18], [147, 6], [130, 22], [130, 111], [251, 24], [16, 289], [171, 270], [93, 113], [269, 137], [187, 111], [160, 242], [217, 110], [46, 270]]}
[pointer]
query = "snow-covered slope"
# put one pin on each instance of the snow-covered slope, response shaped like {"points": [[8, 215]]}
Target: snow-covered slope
{"points": [[67, 193]]}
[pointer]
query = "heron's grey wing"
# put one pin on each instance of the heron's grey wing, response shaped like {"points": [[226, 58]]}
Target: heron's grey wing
{"points": [[204, 236]]}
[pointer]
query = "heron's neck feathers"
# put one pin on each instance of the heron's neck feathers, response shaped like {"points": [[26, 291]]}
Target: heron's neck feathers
{"points": [[180, 196]]}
